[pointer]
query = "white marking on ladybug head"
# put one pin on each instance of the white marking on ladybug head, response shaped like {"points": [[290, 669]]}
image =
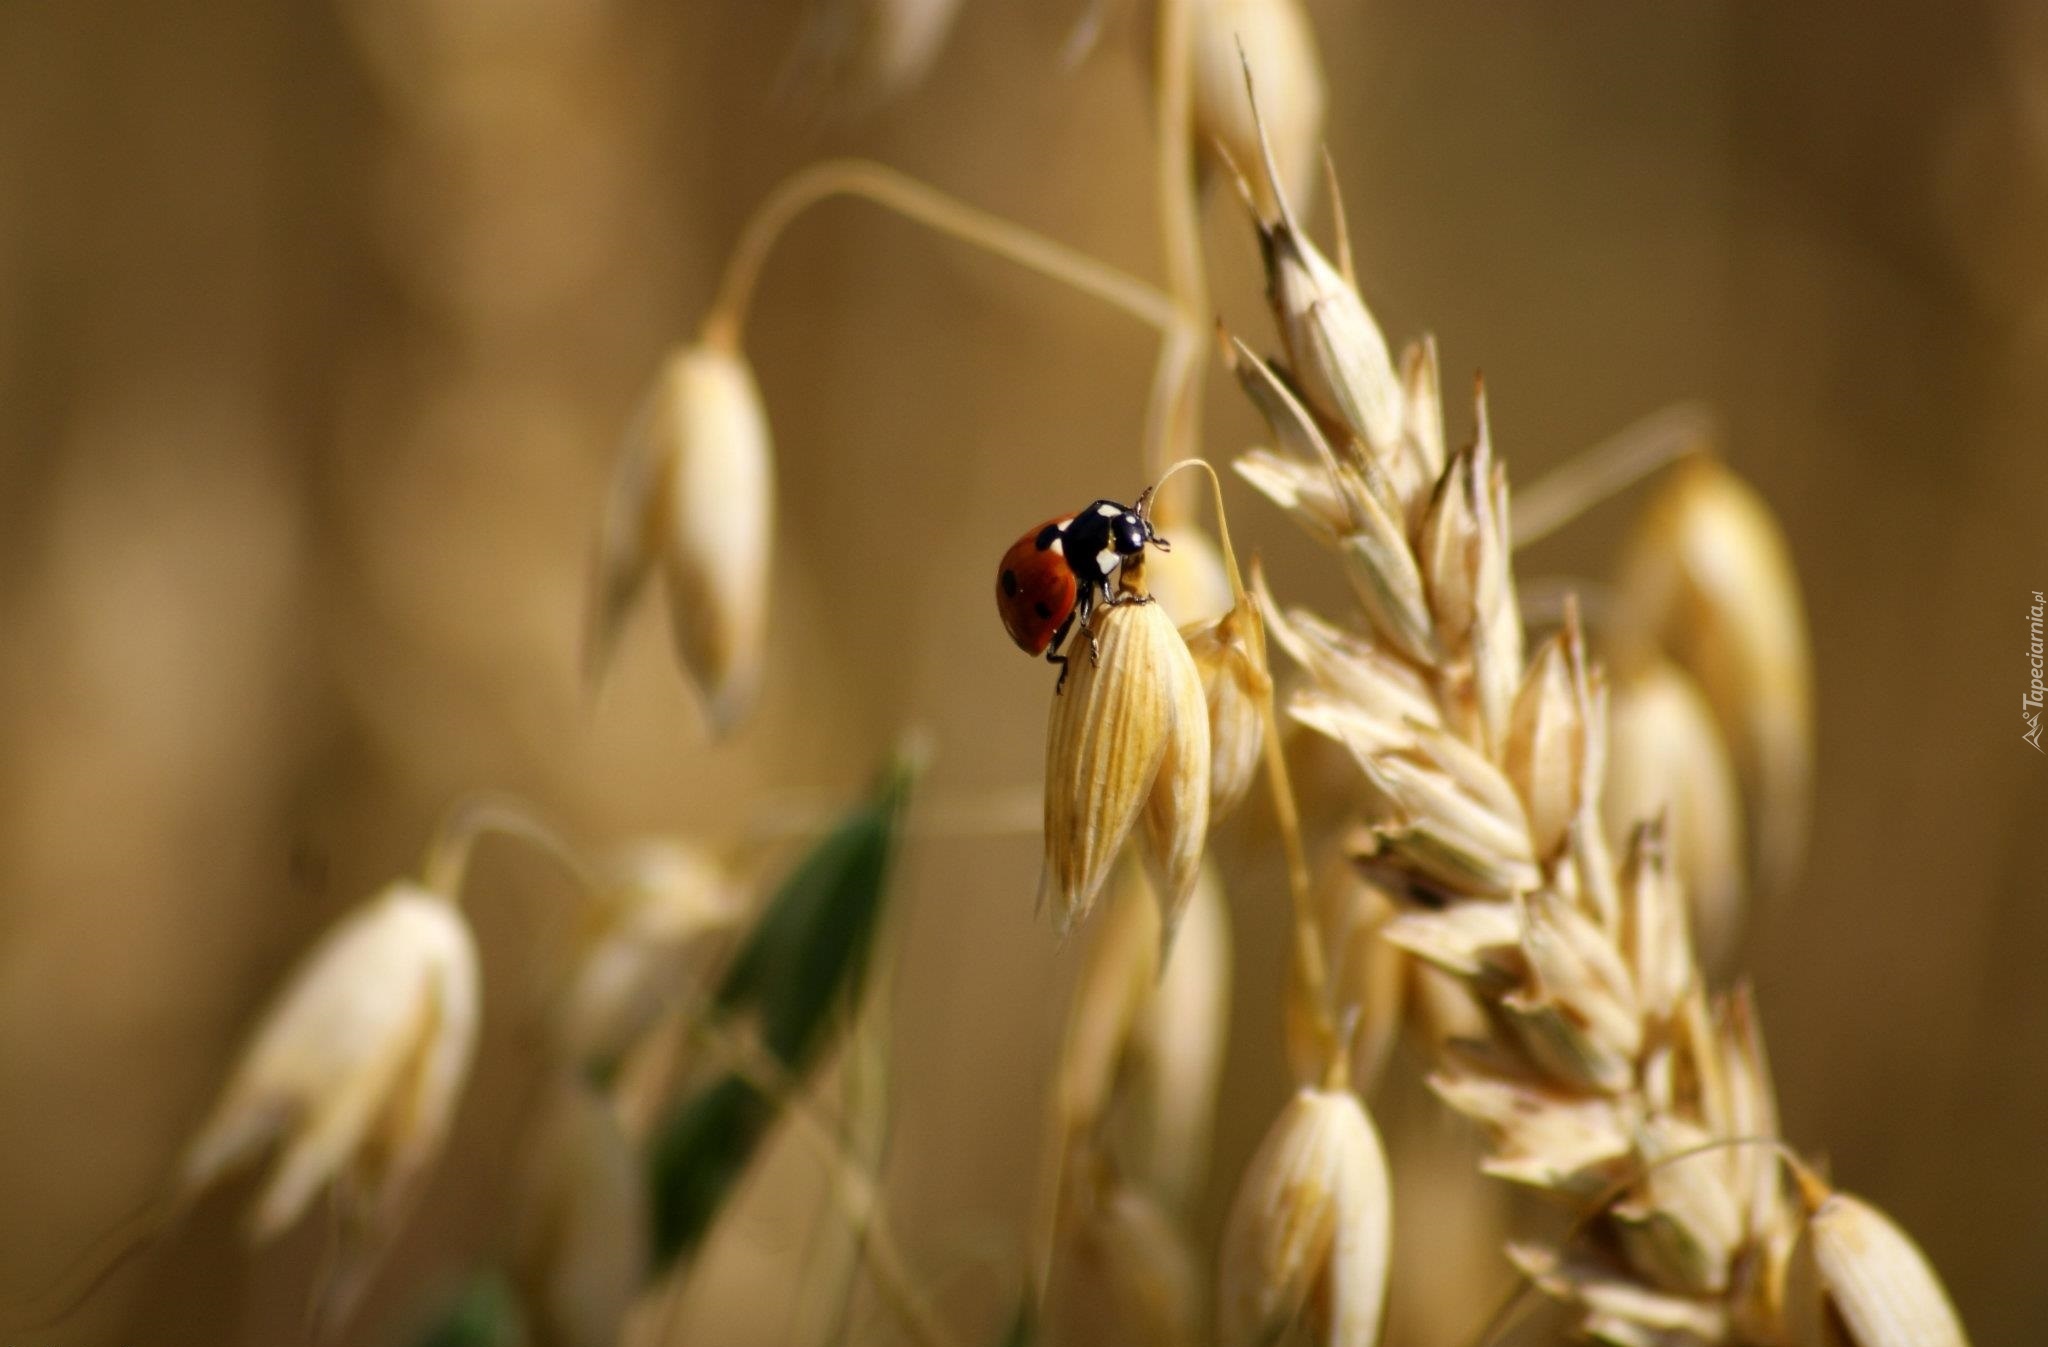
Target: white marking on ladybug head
{"points": [[1059, 546], [1108, 511], [1107, 560]]}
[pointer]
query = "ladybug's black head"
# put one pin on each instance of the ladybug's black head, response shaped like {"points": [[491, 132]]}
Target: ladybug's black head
{"points": [[1130, 531], [1125, 528], [1140, 516]]}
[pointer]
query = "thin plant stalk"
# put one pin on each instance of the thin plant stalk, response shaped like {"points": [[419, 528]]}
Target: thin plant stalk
{"points": [[1609, 468], [475, 816], [914, 200], [858, 1195], [96, 1264], [1308, 940], [865, 1139], [1176, 418]]}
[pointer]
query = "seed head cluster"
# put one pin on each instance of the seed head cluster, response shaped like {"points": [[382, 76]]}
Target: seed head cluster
{"points": [[1588, 1045]]}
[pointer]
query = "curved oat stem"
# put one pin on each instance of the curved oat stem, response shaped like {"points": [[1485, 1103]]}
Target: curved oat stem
{"points": [[1176, 424], [478, 814], [906, 196]]}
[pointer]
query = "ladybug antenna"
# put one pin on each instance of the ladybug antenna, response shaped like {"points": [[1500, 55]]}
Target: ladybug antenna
{"points": [[1143, 509]]}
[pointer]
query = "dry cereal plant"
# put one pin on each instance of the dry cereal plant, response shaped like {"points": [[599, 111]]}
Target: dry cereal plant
{"points": [[1380, 907]]}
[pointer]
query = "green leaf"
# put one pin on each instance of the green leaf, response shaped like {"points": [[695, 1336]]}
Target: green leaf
{"points": [[800, 968], [807, 955], [485, 1314], [698, 1155]]}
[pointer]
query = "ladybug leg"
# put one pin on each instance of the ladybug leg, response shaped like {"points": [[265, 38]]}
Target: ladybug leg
{"points": [[1053, 655], [1085, 610]]}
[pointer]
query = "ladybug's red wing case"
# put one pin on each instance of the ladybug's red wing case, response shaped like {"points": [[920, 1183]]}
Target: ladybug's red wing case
{"points": [[1035, 591]]}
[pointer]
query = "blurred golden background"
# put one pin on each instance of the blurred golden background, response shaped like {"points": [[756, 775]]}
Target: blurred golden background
{"points": [[319, 325]]}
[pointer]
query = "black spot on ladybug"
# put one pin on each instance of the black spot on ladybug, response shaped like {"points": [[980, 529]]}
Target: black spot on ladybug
{"points": [[1043, 609], [1047, 536], [1010, 585]]}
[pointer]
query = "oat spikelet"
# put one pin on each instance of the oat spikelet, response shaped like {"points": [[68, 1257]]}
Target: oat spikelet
{"points": [[1126, 1277], [866, 52], [1190, 580], [1234, 687], [1275, 38], [665, 908], [1860, 1281], [355, 1068], [352, 1077], [1666, 756], [1128, 740], [693, 500], [1134, 1098], [1708, 578], [1309, 1232]]}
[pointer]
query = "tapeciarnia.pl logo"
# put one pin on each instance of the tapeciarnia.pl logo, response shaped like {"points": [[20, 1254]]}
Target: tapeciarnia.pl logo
{"points": [[2030, 703]]}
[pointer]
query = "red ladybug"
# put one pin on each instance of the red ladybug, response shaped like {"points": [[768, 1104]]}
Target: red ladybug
{"points": [[1059, 570]]}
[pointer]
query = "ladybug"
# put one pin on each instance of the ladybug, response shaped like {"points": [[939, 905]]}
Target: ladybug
{"points": [[1058, 571]]}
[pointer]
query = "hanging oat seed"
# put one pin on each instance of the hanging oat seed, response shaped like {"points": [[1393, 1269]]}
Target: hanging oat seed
{"points": [[1334, 347], [1129, 736], [1126, 1277], [1860, 1281], [665, 906], [1308, 1235], [1189, 580], [1176, 1055], [1273, 38], [1709, 578], [352, 1076], [1666, 758], [1233, 686], [866, 52], [694, 497]]}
